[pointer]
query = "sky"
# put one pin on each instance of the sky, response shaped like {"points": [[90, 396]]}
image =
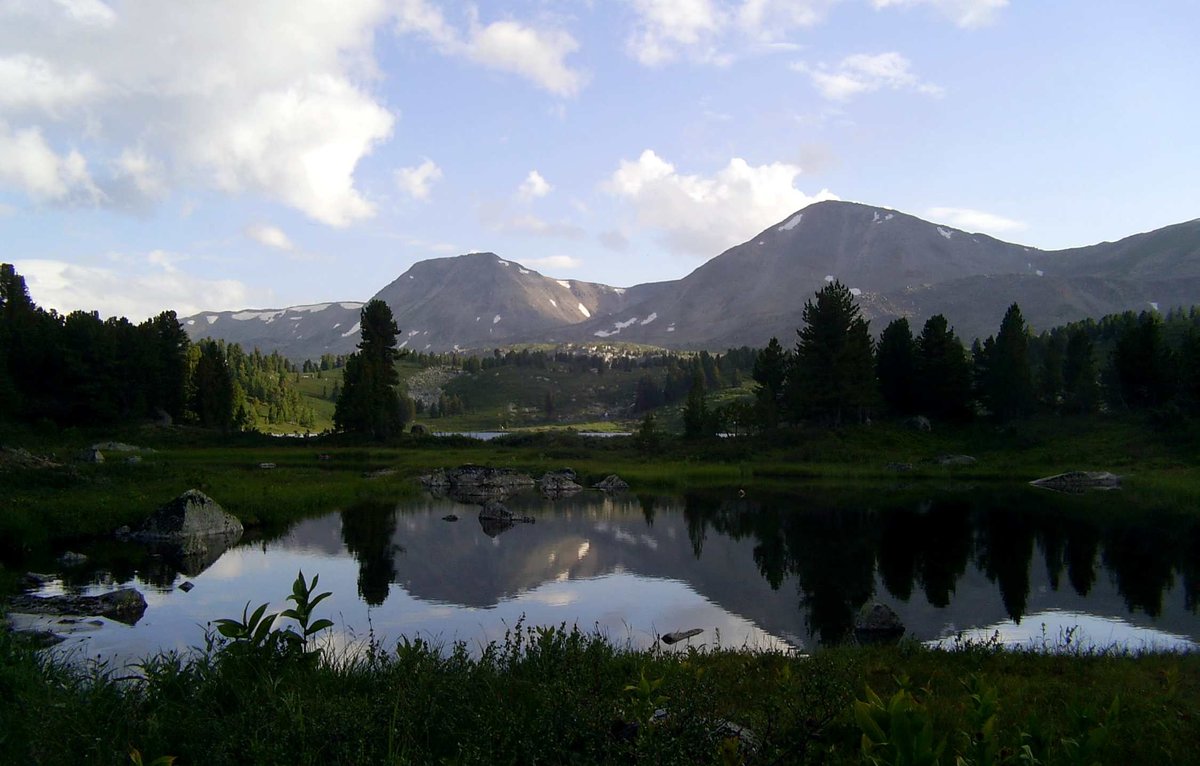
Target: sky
{"points": [[226, 154]]}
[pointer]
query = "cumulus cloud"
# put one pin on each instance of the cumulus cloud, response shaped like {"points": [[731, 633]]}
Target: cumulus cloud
{"points": [[30, 165], [535, 53], [136, 291], [975, 220], [964, 13], [866, 73], [614, 239], [271, 236], [534, 186], [554, 263], [703, 215], [417, 182], [269, 97], [702, 30]]}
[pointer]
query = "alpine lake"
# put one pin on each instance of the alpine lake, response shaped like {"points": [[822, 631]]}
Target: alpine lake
{"points": [[788, 570]]}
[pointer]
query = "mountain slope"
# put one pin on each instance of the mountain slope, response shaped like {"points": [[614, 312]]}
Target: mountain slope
{"points": [[897, 264]]}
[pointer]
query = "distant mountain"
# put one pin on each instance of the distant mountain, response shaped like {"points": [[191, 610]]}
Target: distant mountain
{"points": [[897, 264]]}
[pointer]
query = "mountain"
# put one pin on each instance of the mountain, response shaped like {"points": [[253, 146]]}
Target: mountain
{"points": [[897, 264]]}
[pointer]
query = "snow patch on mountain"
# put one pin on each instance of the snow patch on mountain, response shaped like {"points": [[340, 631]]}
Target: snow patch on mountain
{"points": [[352, 330], [671, 327], [495, 319], [583, 310], [564, 283], [269, 316], [619, 290], [312, 308], [554, 303], [649, 319], [829, 277], [191, 322], [352, 306], [945, 232], [1154, 305], [855, 292], [792, 223]]}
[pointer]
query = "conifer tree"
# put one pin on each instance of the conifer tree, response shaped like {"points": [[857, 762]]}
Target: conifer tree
{"points": [[895, 366], [1009, 384], [942, 375], [695, 410], [832, 374], [770, 373], [368, 403], [212, 387], [1081, 390]]}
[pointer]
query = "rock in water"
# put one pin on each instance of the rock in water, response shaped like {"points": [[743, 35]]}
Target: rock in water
{"points": [[1078, 481], [555, 483], [125, 605], [192, 514], [612, 483], [878, 623]]}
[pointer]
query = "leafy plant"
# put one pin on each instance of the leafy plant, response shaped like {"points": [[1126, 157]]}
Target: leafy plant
{"points": [[643, 696], [255, 632], [898, 732]]}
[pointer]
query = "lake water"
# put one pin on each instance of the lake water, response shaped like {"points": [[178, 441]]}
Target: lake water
{"points": [[767, 570]]}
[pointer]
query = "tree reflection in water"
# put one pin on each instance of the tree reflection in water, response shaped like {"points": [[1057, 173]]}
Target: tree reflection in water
{"points": [[367, 530]]}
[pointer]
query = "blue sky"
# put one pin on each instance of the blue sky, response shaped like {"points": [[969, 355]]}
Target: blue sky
{"points": [[220, 154]]}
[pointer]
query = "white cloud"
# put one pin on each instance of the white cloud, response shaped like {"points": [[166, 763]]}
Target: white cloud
{"points": [[141, 170], [866, 73], [29, 83], [135, 292], [268, 97], [534, 186], [537, 54], [704, 29], [965, 13], [702, 216], [28, 164], [418, 181], [975, 220], [556, 262], [271, 236]]}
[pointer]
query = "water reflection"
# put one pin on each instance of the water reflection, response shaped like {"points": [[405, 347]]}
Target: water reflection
{"points": [[778, 569]]}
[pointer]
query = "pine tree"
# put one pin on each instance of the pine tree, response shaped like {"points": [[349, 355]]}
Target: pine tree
{"points": [[1009, 384], [770, 372], [369, 403], [695, 409], [212, 388], [942, 376], [1081, 390], [1142, 365], [895, 366], [832, 374]]}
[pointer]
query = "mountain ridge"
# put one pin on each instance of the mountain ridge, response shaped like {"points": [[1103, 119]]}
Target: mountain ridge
{"points": [[897, 264]]}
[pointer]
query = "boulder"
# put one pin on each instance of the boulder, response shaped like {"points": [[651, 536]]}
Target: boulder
{"points": [[612, 483], [954, 460], [90, 455], [125, 605], [919, 423], [191, 515], [878, 623], [450, 517], [418, 430], [119, 447], [557, 483], [476, 483], [1076, 482], [72, 559], [495, 518]]}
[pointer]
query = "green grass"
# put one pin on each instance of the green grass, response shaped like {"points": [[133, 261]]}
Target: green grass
{"points": [[546, 695]]}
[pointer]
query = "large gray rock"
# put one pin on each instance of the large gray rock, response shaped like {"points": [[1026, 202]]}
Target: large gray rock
{"points": [[191, 515], [90, 455], [878, 623], [919, 423], [475, 483], [1075, 482], [495, 518], [125, 605], [612, 483], [558, 483]]}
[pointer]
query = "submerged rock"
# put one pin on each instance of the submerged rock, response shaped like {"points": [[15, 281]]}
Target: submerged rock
{"points": [[556, 483], [475, 483], [878, 623], [1076, 482], [612, 483], [495, 518], [125, 605]]}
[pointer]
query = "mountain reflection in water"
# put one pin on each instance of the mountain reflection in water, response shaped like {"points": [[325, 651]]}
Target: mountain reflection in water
{"points": [[773, 570]]}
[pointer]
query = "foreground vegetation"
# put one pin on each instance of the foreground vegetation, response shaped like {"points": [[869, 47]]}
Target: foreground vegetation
{"points": [[264, 693]]}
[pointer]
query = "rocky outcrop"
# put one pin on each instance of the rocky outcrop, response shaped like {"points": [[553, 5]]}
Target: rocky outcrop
{"points": [[1075, 482], [125, 605], [611, 483], [495, 518], [189, 533], [476, 483], [191, 515], [18, 458], [954, 460], [559, 483], [878, 623]]}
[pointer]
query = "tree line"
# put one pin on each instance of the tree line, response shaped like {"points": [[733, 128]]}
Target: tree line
{"points": [[836, 373], [80, 370]]}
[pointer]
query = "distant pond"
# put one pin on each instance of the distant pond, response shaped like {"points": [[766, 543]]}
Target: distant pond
{"points": [[765, 570]]}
